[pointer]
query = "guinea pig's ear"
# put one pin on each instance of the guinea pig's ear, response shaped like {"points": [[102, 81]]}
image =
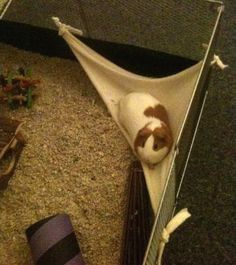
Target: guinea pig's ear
{"points": [[141, 137], [158, 112]]}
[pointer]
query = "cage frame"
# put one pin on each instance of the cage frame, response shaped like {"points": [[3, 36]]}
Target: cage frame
{"points": [[200, 84]]}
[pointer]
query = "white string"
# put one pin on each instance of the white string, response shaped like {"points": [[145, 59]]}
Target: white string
{"points": [[216, 59], [219, 62], [174, 223], [63, 28]]}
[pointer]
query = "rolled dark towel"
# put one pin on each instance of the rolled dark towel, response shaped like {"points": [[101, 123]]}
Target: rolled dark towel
{"points": [[53, 242]]}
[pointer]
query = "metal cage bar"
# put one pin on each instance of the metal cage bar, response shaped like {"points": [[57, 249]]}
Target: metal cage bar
{"points": [[164, 212]]}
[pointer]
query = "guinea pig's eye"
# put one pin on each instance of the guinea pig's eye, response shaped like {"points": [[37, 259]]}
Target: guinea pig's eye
{"points": [[155, 146]]}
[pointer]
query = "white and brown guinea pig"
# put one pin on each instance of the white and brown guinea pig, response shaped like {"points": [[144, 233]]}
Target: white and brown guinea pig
{"points": [[146, 122]]}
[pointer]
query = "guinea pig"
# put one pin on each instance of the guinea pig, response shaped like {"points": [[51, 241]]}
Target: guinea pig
{"points": [[146, 123]]}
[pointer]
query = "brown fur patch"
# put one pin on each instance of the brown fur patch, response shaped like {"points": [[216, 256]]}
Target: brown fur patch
{"points": [[141, 137], [162, 137], [158, 112]]}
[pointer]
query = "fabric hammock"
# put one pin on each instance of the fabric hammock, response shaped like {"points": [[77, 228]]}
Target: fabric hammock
{"points": [[112, 83]]}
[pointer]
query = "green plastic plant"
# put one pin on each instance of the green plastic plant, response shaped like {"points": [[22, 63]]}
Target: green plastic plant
{"points": [[17, 87]]}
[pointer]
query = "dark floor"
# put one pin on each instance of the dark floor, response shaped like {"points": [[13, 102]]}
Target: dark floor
{"points": [[209, 237]]}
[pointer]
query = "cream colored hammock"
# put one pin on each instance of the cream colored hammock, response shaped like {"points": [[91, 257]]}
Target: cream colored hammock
{"points": [[175, 92], [112, 83]]}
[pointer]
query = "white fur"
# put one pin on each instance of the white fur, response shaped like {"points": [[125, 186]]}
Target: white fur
{"points": [[148, 155], [131, 112], [132, 118]]}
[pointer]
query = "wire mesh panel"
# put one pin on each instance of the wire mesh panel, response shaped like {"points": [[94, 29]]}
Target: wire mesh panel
{"points": [[176, 27], [186, 140], [164, 215], [188, 132], [139, 218], [38, 13]]}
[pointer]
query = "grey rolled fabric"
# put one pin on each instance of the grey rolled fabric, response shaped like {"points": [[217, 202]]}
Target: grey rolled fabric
{"points": [[53, 242]]}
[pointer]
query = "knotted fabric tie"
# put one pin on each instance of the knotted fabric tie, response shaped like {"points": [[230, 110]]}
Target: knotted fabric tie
{"points": [[63, 28], [216, 59], [219, 62], [174, 223]]}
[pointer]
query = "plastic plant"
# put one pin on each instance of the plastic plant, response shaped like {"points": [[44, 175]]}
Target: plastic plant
{"points": [[17, 87]]}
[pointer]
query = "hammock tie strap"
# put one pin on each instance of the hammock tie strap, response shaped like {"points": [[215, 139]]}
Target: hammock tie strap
{"points": [[216, 59], [165, 236], [63, 28], [174, 223], [219, 62]]}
